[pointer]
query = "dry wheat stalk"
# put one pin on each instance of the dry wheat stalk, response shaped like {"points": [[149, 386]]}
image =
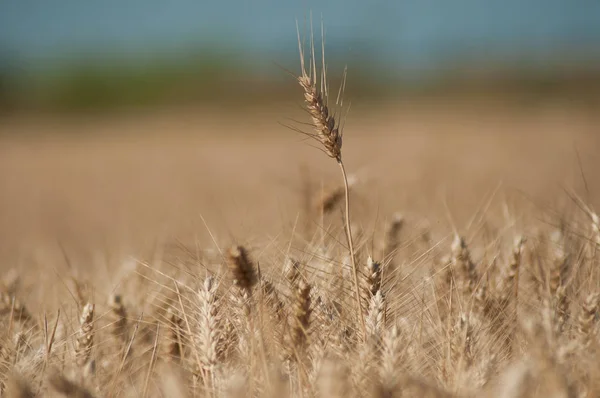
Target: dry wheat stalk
{"points": [[366, 373], [507, 292], [375, 318], [329, 134], [587, 318], [510, 277], [461, 345], [85, 335], [242, 269], [244, 279], [371, 281], [391, 350], [209, 328], [463, 267], [300, 320]]}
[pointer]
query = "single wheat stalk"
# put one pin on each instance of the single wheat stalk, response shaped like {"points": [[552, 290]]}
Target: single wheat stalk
{"points": [[210, 333], [558, 263], [301, 316], [391, 350], [508, 285], [375, 318], [85, 336], [511, 277], [371, 281], [244, 279], [587, 318], [461, 344], [328, 132], [242, 269], [463, 266]]}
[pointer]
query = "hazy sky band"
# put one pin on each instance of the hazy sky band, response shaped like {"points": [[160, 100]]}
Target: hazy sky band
{"points": [[409, 31]]}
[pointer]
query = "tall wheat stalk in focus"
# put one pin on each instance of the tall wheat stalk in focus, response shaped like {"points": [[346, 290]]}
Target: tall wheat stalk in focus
{"points": [[328, 132]]}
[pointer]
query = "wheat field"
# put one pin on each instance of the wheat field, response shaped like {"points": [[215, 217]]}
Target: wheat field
{"points": [[189, 252]]}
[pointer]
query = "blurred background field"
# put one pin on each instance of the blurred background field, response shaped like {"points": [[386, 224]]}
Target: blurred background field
{"points": [[88, 56], [121, 123]]}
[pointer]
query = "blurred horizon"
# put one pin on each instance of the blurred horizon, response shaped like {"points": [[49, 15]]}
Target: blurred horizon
{"points": [[68, 53]]}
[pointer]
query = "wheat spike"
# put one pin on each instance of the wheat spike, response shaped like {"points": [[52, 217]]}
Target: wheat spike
{"points": [[375, 318], [463, 266], [242, 268], [327, 132], [210, 332], [301, 315], [587, 318], [85, 335], [371, 281]]}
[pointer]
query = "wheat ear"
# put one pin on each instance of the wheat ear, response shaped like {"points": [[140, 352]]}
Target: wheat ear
{"points": [[587, 318], [209, 337], [85, 337], [242, 269], [244, 278], [464, 266], [371, 281], [328, 133], [301, 315]]}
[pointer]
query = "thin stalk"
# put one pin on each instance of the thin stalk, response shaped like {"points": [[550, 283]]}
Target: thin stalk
{"points": [[351, 248]]}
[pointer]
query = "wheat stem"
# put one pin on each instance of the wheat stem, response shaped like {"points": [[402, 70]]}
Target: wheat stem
{"points": [[351, 247]]}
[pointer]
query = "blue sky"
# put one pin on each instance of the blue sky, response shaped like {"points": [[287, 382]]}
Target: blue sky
{"points": [[418, 32]]}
